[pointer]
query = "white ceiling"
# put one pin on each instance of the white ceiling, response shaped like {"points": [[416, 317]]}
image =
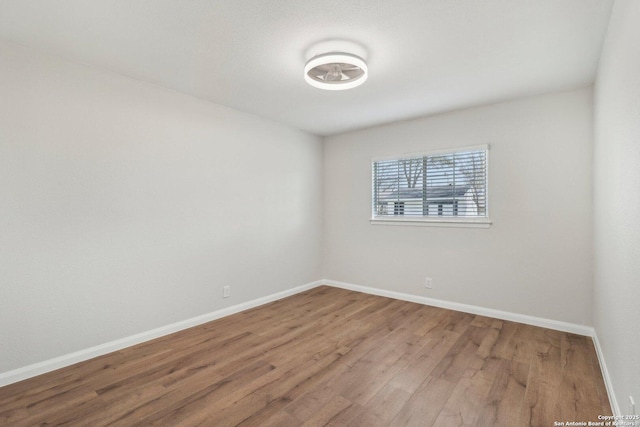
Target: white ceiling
{"points": [[424, 56]]}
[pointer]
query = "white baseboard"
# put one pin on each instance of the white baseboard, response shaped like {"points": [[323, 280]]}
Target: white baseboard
{"points": [[43, 367], [605, 375], [473, 309]]}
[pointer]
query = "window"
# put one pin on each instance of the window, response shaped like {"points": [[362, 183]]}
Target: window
{"points": [[443, 187]]}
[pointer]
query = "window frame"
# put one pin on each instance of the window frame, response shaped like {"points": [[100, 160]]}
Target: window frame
{"points": [[443, 221]]}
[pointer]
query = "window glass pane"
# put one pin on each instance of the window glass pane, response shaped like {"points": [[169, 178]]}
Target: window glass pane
{"points": [[439, 185]]}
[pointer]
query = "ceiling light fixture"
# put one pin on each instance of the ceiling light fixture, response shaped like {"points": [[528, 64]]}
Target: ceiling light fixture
{"points": [[335, 71]]}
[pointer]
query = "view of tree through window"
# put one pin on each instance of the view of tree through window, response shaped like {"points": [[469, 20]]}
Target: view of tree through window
{"points": [[439, 185]]}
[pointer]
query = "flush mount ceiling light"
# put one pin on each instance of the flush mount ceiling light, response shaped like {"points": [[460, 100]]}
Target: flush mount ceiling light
{"points": [[335, 71]]}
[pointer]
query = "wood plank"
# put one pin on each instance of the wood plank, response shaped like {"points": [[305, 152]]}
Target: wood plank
{"points": [[332, 357], [414, 374], [328, 412], [453, 365], [424, 406], [577, 385], [504, 403], [596, 374], [542, 397]]}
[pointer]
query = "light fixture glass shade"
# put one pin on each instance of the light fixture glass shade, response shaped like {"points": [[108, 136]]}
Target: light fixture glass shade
{"points": [[335, 71]]}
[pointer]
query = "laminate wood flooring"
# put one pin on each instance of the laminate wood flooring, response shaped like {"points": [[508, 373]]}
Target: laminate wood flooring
{"points": [[327, 357]]}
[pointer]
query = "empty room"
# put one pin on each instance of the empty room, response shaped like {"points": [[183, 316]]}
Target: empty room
{"points": [[336, 213]]}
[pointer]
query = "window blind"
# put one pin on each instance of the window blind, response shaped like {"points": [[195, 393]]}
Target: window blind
{"points": [[443, 185]]}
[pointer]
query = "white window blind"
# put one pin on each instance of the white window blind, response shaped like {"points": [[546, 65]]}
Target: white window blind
{"points": [[446, 185]]}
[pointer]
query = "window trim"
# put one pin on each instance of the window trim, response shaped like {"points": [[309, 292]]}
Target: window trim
{"points": [[463, 222]]}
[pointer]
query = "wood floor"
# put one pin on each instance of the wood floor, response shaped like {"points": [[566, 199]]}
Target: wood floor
{"points": [[327, 357]]}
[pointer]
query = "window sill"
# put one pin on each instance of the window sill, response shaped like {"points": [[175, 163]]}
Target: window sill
{"points": [[432, 222]]}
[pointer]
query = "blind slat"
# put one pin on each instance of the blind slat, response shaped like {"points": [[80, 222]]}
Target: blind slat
{"points": [[452, 184]]}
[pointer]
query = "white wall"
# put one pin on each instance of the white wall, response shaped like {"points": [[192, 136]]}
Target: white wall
{"points": [[125, 207], [536, 259], [616, 299]]}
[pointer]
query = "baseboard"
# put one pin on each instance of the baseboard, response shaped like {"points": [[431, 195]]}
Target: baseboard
{"points": [[43, 367], [473, 309], [605, 375], [39, 368]]}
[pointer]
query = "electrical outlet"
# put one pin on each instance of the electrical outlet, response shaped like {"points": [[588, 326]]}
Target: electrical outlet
{"points": [[428, 282], [226, 292]]}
